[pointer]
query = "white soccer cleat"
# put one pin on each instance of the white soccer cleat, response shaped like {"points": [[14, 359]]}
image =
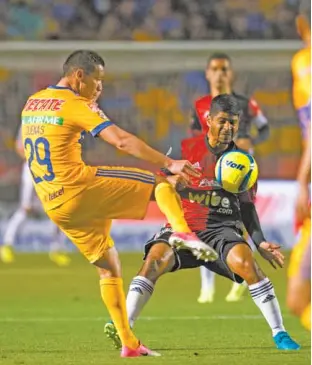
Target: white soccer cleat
{"points": [[206, 296], [189, 241]]}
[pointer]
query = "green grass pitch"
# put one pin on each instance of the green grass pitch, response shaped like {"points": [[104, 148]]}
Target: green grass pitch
{"points": [[50, 316]]}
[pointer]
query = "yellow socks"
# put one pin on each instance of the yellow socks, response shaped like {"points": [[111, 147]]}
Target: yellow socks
{"points": [[169, 203], [114, 298], [306, 318]]}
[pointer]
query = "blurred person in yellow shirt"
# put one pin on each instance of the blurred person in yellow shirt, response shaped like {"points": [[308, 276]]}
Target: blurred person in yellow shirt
{"points": [[299, 271]]}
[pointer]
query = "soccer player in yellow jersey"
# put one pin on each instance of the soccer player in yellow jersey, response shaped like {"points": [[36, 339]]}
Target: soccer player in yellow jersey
{"points": [[299, 271], [82, 200]]}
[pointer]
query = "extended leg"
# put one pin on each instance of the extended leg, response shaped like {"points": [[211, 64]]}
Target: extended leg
{"points": [[159, 260], [113, 296], [240, 260]]}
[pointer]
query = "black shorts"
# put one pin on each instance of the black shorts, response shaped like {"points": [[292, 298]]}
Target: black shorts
{"points": [[221, 239]]}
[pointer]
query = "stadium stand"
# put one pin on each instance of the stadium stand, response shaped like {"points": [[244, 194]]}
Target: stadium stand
{"points": [[147, 20]]}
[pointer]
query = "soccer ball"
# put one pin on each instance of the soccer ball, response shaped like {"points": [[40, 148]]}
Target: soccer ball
{"points": [[236, 171]]}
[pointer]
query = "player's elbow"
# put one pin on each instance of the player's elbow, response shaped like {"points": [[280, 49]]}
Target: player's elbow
{"points": [[117, 137], [124, 143]]}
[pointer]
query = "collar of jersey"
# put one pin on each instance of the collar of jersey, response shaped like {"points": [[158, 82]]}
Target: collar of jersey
{"points": [[61, 88], [230, 147]]}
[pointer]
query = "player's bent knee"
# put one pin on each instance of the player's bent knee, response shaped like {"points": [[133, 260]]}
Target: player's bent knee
{"points": [[240, 256], [159, 261], [109, 266], [242, 264], [105, 274], [240, 260], [158, 180]]}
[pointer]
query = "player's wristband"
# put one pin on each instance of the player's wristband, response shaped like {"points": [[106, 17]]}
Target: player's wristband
{"points": [[166, 172], [257, 238]]}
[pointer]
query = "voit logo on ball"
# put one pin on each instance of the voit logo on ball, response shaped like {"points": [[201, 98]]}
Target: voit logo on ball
{"points": [[234, 165]]}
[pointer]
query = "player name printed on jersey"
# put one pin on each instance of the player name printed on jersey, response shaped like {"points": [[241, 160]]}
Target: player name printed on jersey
{"points": [[43, 105]]}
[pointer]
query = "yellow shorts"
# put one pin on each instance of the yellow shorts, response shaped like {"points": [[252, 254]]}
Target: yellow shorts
{"points": [[300, 259], [114, 193]]}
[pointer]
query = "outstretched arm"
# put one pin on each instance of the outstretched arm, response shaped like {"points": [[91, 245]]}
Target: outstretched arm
{"points": [[91, 118], [134, 146]]}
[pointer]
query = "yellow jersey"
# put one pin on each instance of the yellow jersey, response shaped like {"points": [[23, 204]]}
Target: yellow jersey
{"points": [[301, 71], [54, 121]]}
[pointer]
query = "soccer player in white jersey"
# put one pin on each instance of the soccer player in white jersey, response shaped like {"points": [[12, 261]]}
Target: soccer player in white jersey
{"points": [[25, 208]]}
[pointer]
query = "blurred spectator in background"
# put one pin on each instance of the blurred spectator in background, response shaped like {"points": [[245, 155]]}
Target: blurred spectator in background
{"points": [[196, 27], [148, 31], [239, 25], [102, 6], [85, 23], [218, 19], [120, 22], [147, 20], [169, 21], [23, 22], [283, 22]]}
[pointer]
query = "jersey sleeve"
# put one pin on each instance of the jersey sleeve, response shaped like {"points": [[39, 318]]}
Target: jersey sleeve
{"points": [[256, 114], [195, 124], [249, 196], [89, 116]]}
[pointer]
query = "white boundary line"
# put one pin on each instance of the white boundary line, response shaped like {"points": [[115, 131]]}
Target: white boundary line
{"points": [[103, 319]]}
